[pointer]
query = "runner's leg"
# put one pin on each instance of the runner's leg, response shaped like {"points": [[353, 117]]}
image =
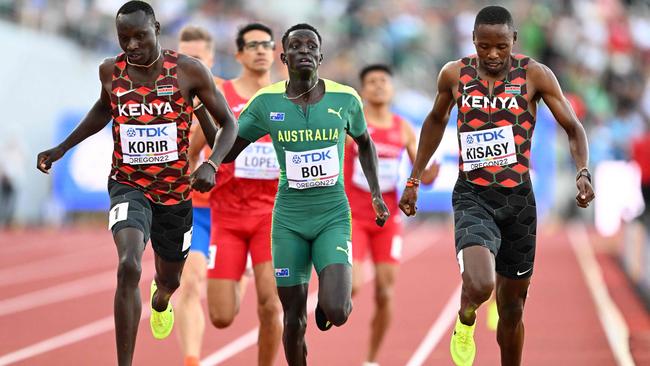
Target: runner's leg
{"points": [[268, 311], [130, 221], [332, 255], [127, 304], [360, 241], [511, 297], [224, 295], [385, 274], [478, 281], [189, 311], [294, 306]]}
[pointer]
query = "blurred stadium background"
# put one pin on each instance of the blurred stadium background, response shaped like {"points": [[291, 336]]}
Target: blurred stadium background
{"points": [[599, 49]]}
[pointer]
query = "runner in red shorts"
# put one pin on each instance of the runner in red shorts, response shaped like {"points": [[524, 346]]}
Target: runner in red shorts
{"points": [[241, 205], [392, 135]]}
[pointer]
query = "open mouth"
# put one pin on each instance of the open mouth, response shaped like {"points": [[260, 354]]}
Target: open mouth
{"points": [[305, 61], [135, 56]]}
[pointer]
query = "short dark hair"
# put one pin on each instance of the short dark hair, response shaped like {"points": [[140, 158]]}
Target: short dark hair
{"points": [[494, 15], [133, 6], [299, 26], [374, 67], [247, 28]]}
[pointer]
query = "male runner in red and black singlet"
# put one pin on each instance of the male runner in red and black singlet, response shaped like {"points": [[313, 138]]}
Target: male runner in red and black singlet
{"points": [[497, 94], [242, 203], [146, 91], [391, 135]]}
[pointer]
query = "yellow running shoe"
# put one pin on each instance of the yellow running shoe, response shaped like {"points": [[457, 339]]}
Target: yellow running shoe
{"points": [[463, 348], [492, 315], [161, 322]]}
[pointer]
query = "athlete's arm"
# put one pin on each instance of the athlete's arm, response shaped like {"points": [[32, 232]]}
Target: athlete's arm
{"points": [[197, 142], [432, 130], [95, 120], [411, 142], [201, 84], [548, 88], [368, 160], [239, 146], [208, 131]]}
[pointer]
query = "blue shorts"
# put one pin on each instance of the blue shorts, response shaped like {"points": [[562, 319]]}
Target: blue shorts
{"points": [[201, 233]]}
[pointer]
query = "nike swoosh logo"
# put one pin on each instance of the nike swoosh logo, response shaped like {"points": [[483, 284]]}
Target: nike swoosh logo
{"points": [[466, 87], [524, 272], [119, 94]]}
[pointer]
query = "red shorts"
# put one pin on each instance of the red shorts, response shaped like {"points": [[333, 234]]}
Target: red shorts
{"points": [[232, 238], [384, 243]]}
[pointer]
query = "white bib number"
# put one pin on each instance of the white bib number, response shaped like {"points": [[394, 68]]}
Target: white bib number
{"points": [[493, 147], [118, 213], [387, 172], [148, 144], [257, 161], [313, 168]]}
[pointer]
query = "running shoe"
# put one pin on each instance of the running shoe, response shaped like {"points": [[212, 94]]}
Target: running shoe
{"points": [[463, 348], [321, 320], [161, 322]]}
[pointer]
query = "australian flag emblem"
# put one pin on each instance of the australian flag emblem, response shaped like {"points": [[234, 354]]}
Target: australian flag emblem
{"points": [[276, 116]]}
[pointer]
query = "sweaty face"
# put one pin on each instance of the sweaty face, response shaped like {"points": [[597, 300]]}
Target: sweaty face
{"points": [[493, 44], [257, 54], [138, 36], [201, 50], [302, 51], [377, 87]]}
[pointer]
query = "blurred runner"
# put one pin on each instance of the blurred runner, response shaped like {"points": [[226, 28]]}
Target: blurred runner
{"points": [[496, 93], [391, 135], [242, 204], [146, 92], [308, 118], [196, 42]]}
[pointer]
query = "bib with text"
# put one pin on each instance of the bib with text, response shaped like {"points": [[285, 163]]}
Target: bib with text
{"points": [[493, 147], [313, 168], [257, 161], [387, 172], [148, 144]]}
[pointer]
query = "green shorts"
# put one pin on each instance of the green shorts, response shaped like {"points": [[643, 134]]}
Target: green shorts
{"points": [[299, 237]]}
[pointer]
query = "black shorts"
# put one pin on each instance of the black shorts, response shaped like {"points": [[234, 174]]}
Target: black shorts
{"points": [[504, 220], [168, 226]]}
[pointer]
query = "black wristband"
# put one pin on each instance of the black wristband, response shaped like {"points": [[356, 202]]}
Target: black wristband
{"points": [[584, 172]]}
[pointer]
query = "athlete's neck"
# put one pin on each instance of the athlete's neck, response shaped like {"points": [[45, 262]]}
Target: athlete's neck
{"points": [[249, 82], [297, 85], [378, 114]]}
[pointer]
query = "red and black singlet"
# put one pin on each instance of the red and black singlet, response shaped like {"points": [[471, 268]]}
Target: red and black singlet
{"points": [[151, 123], [494, 131]]}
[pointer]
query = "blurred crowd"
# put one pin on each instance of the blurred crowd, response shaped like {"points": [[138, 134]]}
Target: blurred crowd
{"points": [[599, 49]]}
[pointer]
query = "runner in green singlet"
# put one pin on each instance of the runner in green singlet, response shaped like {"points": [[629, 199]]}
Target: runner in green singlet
{"points": [[308, 119]]}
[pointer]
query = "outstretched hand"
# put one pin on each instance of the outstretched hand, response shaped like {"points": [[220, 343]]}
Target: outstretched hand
{"points": [[585, 192], [203, 178], [381, 211], [45, 159]]}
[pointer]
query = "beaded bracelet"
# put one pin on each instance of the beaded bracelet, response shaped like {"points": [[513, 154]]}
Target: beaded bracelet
{"points": [[412, 182], [212, 164]]}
